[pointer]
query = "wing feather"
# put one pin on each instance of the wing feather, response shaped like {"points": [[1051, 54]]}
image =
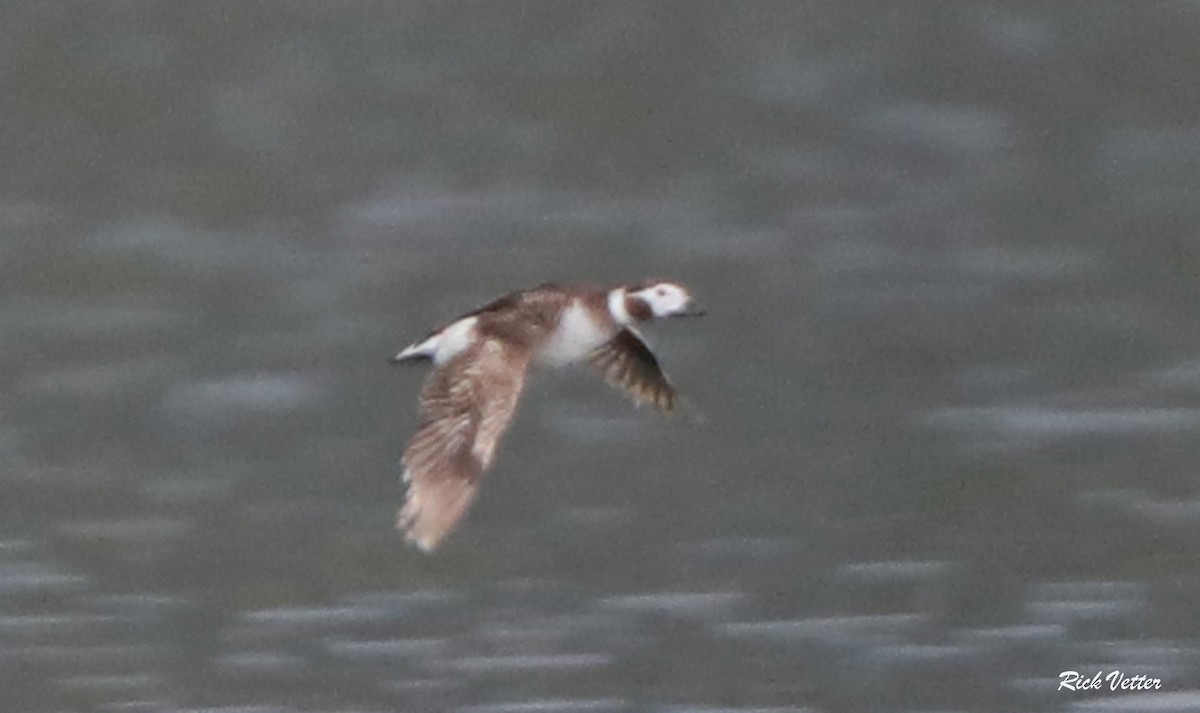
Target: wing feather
{"points": [[627, 363], [466, 407]]}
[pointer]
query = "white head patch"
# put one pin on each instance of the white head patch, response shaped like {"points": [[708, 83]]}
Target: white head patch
{"points": [[665, 299]]}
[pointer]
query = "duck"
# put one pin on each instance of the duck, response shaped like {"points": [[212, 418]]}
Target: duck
{"points": [[481, 361]]}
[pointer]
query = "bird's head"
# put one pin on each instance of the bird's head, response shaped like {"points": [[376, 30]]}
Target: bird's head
{"points": [[652, 300]]}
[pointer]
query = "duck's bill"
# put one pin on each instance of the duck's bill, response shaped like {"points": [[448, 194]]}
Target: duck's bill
{"points": [[691, 310]]}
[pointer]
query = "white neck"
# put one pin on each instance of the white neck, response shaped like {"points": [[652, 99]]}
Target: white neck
{"points": [[616, 307]]}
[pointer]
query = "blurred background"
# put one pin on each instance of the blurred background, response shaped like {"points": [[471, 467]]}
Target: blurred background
{"points": [[950, 372]]}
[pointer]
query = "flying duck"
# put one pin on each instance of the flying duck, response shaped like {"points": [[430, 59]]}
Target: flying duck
{"points": [[480, 361]]}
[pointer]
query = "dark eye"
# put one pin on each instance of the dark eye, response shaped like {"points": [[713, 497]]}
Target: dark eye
{"points": [[661, 292]]}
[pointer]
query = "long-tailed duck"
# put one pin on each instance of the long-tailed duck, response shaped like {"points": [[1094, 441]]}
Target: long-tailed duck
{"points": [[480, 362]]}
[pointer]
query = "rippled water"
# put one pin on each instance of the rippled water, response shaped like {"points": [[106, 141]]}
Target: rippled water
{"points": [[949, 377]]}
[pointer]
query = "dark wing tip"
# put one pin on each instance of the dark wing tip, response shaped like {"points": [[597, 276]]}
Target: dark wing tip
{"points": [[628, 364]]}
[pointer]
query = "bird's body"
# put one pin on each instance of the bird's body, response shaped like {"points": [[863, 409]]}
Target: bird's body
{"points": [[481, 360]]}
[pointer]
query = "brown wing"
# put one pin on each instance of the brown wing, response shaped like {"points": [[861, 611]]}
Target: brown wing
{"points": [[626, 362], [466, 407]]}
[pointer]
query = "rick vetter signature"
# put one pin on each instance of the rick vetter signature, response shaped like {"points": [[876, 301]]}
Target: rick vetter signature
{"points": [[1113, 681]]}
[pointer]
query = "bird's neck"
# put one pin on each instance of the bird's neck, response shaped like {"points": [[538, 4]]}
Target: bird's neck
{"points": [[617, 307]]}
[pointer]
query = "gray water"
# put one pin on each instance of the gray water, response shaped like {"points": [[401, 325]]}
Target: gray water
{"points": [[950, 376]]}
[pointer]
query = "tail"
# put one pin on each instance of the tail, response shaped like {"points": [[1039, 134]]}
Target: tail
{"points": [[418, 351]]}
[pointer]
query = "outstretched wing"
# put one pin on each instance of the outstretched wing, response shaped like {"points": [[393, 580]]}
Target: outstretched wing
{"points": [[466, 407], [627, 363]]}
